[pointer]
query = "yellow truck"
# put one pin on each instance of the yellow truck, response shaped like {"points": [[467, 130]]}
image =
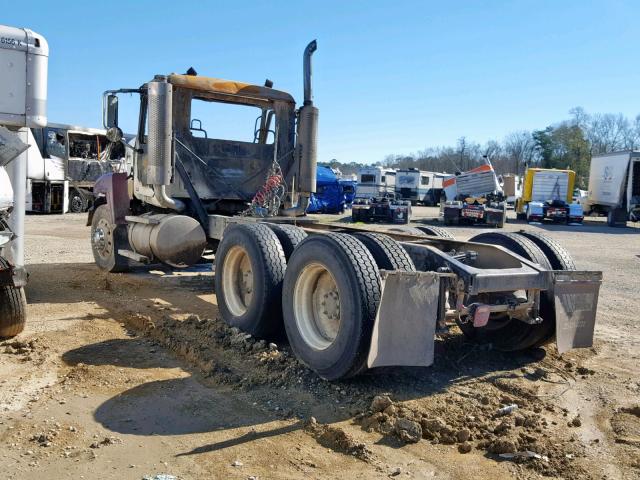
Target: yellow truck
{"points": [[547, 194]]}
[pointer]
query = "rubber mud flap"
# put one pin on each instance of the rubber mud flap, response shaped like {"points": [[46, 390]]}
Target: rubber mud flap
{"points": [[576, 303], [404, 329]]}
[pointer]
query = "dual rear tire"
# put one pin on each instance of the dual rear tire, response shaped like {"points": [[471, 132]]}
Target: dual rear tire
{"points": [[324, 289]]}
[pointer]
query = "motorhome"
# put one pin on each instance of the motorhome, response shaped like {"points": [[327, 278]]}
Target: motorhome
{"points": [[614, 187], [418, 186], [375, 181]]}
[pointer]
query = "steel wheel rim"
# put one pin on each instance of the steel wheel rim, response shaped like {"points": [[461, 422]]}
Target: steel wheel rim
{"points": [[237, 280], [316, 306], [102, 239]]}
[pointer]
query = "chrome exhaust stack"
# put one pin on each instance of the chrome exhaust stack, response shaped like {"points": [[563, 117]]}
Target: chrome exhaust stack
{"points": [[159, 168], [307, 139]]}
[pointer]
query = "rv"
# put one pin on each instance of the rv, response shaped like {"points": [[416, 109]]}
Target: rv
{"points": [[614, 187], [418, 186], [61, 172], [375, 181]]}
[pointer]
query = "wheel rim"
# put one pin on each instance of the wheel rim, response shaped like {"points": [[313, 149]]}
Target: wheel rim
{"points": [[237, 281], [102, 239], [316, 305], [76, 204]]}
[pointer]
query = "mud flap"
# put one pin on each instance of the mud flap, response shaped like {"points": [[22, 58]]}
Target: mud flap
{"points": [[404, 329], [576, 302]]}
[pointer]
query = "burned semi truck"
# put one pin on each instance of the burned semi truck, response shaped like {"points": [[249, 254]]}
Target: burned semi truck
{"points": [[347, 298]]}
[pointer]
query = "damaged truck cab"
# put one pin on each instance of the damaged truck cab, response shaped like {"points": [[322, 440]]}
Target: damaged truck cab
{"points": [[347, 298]]}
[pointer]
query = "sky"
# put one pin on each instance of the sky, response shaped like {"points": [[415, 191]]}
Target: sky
{"points": [[388, 77]]}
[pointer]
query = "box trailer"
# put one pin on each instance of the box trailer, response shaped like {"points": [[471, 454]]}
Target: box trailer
{"points": [[24, 56], [547, 194], [512, 187], [614, 187]]}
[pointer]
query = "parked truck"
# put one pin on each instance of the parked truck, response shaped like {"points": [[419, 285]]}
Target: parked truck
{"points": [[547, 194], [418, 186], [347, 298], [474, 197], [24, 58], [63, 168], [614, 187]]}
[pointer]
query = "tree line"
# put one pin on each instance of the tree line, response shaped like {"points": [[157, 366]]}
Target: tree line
{"points": [[569, 144]]}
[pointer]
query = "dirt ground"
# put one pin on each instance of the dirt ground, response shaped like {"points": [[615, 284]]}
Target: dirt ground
{"points": [[133, 376]]}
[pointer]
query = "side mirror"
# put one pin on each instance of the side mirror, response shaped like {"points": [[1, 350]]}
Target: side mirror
{"points": [[111, 119]]}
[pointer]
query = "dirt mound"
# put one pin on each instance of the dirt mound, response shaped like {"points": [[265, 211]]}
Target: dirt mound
{"points": [[530, 434], [337, 440]]}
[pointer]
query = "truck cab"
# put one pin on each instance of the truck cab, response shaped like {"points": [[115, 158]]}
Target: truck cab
{"points": [[185, 178]]}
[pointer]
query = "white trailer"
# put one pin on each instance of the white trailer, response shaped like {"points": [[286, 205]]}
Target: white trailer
{"points": [[614, 187], [375, 181], [24, 57]]}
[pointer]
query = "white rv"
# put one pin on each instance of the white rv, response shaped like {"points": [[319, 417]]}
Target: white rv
{"points": [[418, 186], [614, 187], [375, 181]]}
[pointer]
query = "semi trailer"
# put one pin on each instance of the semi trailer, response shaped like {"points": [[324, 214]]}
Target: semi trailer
{"points": [[348, 299], [614, 187], [24, 56]]}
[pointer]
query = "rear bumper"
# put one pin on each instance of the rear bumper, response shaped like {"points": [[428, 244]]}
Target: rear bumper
{"points": [[412, 304]]}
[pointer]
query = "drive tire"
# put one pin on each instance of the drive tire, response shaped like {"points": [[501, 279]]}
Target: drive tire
{"points": [[387, 253], [346, 262], [288, 235], [13, 308], [106, 240], [256, 247], [515, 335], [436, 231]]}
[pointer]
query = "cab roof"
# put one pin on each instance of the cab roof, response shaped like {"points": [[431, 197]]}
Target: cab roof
{"points": [[229, 87]]}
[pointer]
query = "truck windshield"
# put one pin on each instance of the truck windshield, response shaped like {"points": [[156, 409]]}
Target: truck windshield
{"points": [[225, 121]]}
